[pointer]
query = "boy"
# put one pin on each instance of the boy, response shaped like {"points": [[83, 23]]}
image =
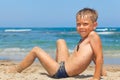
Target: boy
{"points": [[65, 65]]}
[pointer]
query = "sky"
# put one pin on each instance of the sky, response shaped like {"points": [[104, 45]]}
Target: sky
{"points": [[56, 13]]}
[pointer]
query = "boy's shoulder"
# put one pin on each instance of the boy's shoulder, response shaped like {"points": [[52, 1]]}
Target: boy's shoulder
{"points": [[93, 35]]}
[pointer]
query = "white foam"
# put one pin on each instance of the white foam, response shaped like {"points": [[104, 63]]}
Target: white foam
{"points": [[112, 29], [105, 32], [13, 51], [17, 30], [105, 29]]}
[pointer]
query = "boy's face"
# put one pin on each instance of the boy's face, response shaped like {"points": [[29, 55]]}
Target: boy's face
{"points": [[85, 26]]}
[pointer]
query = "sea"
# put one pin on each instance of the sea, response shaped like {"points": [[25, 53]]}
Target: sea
{"points": [[16, 43]]}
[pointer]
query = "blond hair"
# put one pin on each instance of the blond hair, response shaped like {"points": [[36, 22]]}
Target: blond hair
{"points": [[90, 13]]}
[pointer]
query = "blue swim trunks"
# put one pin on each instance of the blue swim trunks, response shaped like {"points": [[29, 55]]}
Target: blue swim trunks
{"points": [[61, 73]]}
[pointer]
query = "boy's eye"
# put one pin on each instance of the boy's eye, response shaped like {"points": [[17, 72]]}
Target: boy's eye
{"points": [[85, 24], [78, 24]]}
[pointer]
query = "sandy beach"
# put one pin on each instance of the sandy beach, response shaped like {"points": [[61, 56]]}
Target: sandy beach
{"points": [[37, 72]]}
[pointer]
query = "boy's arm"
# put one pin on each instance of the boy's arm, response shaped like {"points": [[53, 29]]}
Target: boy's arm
{"points": [[97, 50], [103, 71]]}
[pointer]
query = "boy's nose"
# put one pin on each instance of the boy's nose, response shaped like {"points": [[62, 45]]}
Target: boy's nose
{"points": [[81, 26]]}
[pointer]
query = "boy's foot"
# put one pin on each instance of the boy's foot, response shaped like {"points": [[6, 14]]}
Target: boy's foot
{"points": [[14, 69]]}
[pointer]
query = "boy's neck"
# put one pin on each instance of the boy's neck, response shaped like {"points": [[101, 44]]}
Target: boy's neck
{"points": [[83, 38]]}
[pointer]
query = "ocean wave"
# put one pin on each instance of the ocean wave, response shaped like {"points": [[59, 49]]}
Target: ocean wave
{"points": [[113, 29], [112, 53], [17, 30], [13, 51], [108, 32], [104, 29], [107, 29]]}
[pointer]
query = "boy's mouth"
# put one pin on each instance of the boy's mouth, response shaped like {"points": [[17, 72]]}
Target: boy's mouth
{"points": [[82, 31]]}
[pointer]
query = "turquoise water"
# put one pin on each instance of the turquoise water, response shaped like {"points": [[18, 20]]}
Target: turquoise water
{"points": [[15, 43]]}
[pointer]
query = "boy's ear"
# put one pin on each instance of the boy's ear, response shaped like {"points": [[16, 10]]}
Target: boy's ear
{"points": [[95, 25]]}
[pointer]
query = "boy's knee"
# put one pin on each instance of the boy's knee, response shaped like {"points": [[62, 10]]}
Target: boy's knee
{"points": [[35, 49], [60, 40]]}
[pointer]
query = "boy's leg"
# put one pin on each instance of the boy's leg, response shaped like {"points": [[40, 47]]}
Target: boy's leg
{"points": [[48, 63], [62, 52]]}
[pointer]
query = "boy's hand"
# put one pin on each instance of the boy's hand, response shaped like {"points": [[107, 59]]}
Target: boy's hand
{"points": [[104, 73]]}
